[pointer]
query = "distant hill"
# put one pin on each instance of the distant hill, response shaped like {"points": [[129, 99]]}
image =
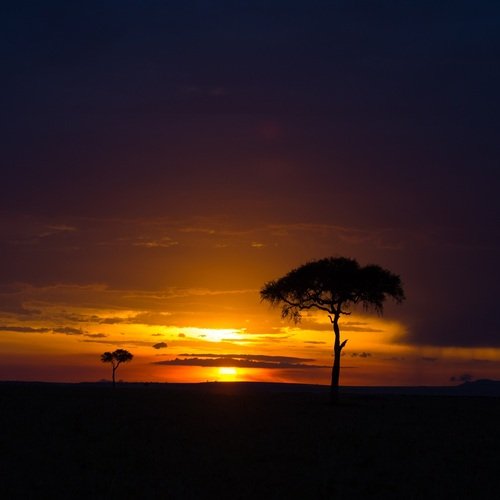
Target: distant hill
{"points": [[483, 387], [489, 388]]}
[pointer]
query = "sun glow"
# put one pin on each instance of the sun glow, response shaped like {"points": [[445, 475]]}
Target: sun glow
{"points": [[214, 334], [228, 372]]}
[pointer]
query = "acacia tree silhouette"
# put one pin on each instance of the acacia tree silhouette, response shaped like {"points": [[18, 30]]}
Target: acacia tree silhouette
{"points": [[333, 285], [116, 358]]}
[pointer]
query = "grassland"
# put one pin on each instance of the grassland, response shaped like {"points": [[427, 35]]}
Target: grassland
{"points": [[238, 441]]}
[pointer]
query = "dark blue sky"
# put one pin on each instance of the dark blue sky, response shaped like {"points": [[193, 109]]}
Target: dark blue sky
{"points": [[381, 116]]}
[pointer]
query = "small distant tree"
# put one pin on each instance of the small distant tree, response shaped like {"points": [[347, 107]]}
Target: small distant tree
{"points": [[116, 358], [333, 285]]}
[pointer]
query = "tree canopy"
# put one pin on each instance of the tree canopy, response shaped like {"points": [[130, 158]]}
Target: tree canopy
{"points": [[333, 285], [116, 358]]}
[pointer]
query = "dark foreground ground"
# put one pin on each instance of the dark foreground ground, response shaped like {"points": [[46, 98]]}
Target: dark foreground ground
{"points": [[243, 441]]}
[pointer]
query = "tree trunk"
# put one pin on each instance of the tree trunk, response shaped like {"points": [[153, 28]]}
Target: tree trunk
{"points": [[114, 370], [337, 350]]}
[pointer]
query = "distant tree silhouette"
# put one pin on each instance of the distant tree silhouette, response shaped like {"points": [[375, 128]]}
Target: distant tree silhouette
{"points": [[116, 358], [333, 285]]}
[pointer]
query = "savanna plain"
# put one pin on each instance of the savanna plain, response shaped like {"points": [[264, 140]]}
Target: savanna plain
{"points": [[230, 440]]}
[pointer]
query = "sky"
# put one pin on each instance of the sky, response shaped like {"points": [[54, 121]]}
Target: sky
{"points": [[161, 161]]}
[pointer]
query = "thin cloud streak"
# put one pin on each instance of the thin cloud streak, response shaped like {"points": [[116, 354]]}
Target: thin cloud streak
{"points": [[241, 361]]}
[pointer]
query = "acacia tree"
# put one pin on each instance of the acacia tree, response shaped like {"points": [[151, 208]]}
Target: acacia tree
{"points": [[333, 285], [116, 358]]}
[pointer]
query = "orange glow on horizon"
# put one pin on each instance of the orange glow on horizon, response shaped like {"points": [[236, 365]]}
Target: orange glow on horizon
{"points": [[172, 335]]}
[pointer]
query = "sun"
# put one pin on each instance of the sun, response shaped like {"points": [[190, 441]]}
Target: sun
{"points": [[227, 372]]}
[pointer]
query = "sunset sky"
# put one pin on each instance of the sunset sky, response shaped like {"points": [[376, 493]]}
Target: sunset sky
{"points": [[162, 160]]}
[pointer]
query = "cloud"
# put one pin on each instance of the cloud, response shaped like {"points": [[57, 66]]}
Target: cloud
{"points": [[165, 242], [360, 354], [311, 323], [93, 318], [150, 318], [160, 345], [68, 331], [23, 329], [95, 335], [111, 321], [61, 228], [197, 230], [458, 324], [117, 343], [269, 338], [77, 318], [383, 238], [54, 230], [260, 357], [241, 361], [12, 304], [202, 292], [359, 327], [464, 377], [107, 342]]}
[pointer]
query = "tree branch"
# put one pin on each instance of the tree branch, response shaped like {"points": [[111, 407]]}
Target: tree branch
{"points": [[301, 306]]}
